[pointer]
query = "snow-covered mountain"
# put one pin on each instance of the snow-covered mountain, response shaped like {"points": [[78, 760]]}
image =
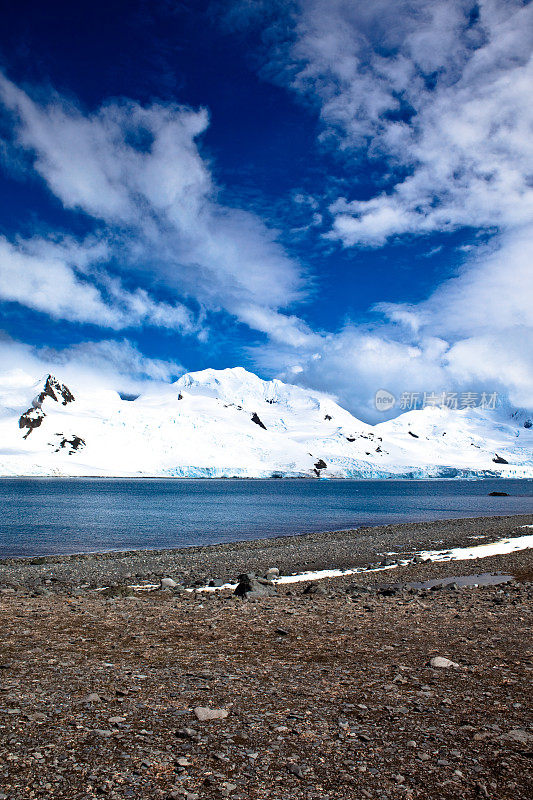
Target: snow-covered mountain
{"points": [[224, 423]]}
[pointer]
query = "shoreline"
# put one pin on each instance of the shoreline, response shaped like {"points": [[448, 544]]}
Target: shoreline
{"points": [[46, 558], [237, 544], [364, 547]]}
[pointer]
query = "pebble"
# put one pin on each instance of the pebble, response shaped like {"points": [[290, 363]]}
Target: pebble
{"points": [[91, 698], [439, 662], [204, 714], [296, 769]]}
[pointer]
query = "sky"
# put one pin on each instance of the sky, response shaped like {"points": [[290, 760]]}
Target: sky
{"points": [[332, 192]]}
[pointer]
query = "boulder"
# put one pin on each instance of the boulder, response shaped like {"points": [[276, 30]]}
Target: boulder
{"points": [[251, 586], [519, 735], [271, 573]]}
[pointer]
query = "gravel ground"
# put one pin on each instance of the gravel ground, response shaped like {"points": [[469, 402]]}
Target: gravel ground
{"points": [[326, 695], [343, 549]]}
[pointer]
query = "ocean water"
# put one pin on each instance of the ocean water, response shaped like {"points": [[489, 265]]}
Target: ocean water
{"points": [[47, 515]]}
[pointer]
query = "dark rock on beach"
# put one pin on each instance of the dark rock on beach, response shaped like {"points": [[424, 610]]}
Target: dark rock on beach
{"points": [[250, 586]]}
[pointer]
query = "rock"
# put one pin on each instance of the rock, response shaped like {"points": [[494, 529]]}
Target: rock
{"points": [[314, 588], [119, 590], [499, 460], [271, 573], [204, 714], [216, 583], [250, 586], [498, 494], [439, 662], [296, 769], [183, 762], [519, 735], [389, 591], [188, 733], [168, 583], [255, 418], [91, 698], [358, 588]]}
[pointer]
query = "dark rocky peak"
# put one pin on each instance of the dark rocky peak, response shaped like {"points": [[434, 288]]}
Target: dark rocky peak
{"points": [[33, 417], [71, 445], [56, 391]]}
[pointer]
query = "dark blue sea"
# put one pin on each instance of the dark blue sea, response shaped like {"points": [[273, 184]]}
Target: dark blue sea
{"points": [[47, 515]]}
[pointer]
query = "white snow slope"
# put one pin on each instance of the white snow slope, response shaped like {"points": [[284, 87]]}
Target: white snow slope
{"points": [[203, 426]]}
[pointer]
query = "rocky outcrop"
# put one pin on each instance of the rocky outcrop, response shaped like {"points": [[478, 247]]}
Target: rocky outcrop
{"points": [[33, 417], [319, 465], [499, 460], [73, 444], [255, 418]]}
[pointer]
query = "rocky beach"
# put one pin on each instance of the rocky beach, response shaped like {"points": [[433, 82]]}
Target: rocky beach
{"points": [[121, 676]]}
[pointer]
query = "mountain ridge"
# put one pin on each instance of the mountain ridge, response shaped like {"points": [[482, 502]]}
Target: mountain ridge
{"points": [[231, 423]]}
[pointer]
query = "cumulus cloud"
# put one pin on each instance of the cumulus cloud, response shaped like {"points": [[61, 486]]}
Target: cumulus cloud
{"points": [[138, 172], [437, 94], [439, 89], [108, 363], [473, 333], [62, 279]]}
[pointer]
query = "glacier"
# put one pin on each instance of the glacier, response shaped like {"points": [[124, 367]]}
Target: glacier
{"points": [[232, 424]]}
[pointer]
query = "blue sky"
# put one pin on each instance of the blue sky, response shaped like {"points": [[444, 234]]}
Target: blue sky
{"points": [[332, 193]]}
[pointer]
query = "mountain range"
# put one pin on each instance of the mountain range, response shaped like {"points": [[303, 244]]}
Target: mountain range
{"points": [[231, 423]]}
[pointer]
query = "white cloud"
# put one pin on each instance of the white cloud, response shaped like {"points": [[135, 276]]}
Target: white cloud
{"points": [[440, 88], [438, 92], [474, 332], [138, 172], [108, 363], [60, 279]]}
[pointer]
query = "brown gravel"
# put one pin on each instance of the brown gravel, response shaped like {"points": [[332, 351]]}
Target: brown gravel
{"points": [[329, 696]]}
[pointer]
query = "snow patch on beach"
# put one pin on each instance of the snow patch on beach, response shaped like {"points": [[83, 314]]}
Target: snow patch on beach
{"points": [[499, 548]]}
